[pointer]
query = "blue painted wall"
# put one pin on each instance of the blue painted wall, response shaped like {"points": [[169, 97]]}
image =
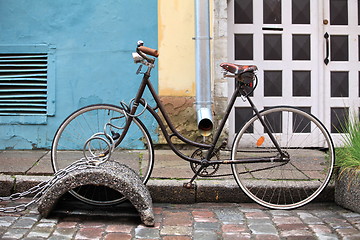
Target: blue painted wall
{"points": [[93, 42]]}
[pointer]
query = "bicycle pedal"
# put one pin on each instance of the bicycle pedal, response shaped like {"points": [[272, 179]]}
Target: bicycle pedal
{"points": [[189, 185]]}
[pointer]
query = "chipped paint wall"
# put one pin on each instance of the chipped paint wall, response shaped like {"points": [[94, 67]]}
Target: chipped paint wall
{"points": [[93, 42], [177, 64], [177, 61]]}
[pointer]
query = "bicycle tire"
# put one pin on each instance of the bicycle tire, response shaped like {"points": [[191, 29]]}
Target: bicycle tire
{"points": [[280, 185], [135, 150]]}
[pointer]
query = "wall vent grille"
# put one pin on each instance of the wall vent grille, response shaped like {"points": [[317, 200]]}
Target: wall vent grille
{"points": [[23, 83]]}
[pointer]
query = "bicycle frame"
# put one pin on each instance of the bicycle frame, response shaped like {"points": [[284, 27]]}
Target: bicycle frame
{"points": [[303, 162], [211, 148]]}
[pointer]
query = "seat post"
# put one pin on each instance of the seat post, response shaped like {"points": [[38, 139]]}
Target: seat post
{"points": [[222, 123]]}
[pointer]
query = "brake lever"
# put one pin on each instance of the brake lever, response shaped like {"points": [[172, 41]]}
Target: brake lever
{"points": [[139, 70], [137, 58]]}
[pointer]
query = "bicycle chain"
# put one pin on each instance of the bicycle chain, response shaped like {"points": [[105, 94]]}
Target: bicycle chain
{"points": [[42, 187]]}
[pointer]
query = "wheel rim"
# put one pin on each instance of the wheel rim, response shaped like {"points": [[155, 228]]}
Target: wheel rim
{"points": [[136, 152], [279, 185]]}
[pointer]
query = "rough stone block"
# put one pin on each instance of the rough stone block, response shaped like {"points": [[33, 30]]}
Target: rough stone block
{"points": [[165, 191], [347, 190], [220, 191], [110, 174], [6, 183]]}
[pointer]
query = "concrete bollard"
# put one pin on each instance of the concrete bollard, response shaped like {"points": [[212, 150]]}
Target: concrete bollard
{"points": [[110, 174]]}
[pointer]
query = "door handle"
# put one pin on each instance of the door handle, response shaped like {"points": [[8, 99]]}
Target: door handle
{"points": [[326, 60]]}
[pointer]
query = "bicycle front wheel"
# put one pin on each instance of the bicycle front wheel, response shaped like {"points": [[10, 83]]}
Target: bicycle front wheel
{"points": [[82, 135], [288, 184]]}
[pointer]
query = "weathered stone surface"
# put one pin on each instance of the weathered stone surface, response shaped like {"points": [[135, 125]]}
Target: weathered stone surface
{"points": [[347, 190], [182, 113], [163, 191], [220, 191], [6, 183], [110, 174]]}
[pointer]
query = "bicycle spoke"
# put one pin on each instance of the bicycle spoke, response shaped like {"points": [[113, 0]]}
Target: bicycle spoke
{"points": [[135, 150], [292, 183]]}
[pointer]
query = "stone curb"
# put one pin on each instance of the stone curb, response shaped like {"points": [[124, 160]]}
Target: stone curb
{"points": [[165, 190]]}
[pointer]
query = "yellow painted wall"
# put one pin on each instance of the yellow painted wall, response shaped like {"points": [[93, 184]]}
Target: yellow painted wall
{"points": [[176, 47]]}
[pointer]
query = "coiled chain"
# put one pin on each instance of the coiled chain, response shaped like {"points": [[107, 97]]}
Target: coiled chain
{"points": [[106, 138], [40, 189]]}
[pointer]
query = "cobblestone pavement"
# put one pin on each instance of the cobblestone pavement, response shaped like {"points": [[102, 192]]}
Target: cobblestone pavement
{"points": [[194, 221]]}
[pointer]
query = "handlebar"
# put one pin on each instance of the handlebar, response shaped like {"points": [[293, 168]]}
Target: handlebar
{"points": [[149, 51], [142, 53]]}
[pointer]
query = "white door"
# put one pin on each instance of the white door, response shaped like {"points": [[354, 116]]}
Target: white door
{"points": [[287, 41], [341, 62]]}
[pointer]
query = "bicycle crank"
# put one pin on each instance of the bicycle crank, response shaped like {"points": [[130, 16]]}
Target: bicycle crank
{"points": [[206, 171]]}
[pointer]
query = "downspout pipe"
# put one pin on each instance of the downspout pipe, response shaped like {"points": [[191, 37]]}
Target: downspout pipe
{"points": [[202, 63]]}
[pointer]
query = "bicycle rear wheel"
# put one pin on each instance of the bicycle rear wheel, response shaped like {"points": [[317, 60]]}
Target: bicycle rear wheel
{"points": [[75, 139], [290, 184]]}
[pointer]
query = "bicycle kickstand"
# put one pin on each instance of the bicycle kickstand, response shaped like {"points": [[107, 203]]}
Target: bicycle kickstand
{"points": [[191, 185]]}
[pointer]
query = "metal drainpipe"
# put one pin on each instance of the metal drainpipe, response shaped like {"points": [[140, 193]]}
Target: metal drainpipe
{"points": [[202, 62]]}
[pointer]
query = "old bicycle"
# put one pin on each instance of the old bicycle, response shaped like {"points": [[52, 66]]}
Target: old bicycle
{"points": [[282, 157]]}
